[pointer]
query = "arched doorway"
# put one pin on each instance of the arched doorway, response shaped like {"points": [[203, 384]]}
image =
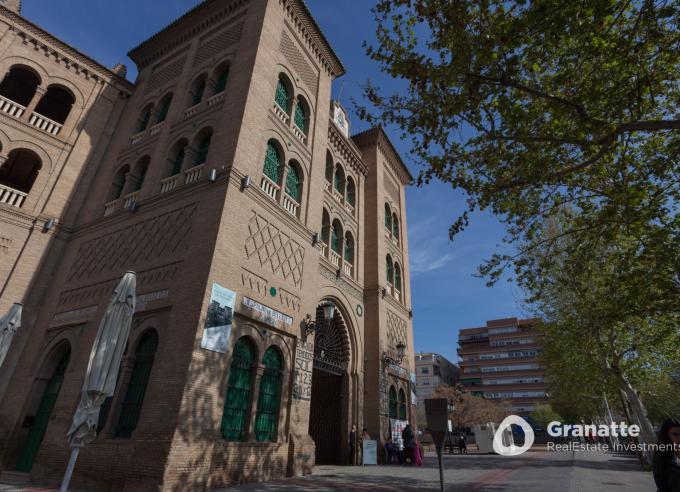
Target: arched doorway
{"points": [[59, 362], [329, 388]]}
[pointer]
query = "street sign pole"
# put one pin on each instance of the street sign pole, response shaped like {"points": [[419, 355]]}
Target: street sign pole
{"points": [[436, 413]]}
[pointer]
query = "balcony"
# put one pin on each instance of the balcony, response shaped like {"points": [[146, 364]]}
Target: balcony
{"points": [[278, 111], [215, 100], [130, 198], [290, 205], [335, 258], [192, 110], [347, 269], [11, 108], [170, 183], [193, 174], [10, 196], [396, 294], [299, 134], [154, 130], [270, 188], [338, 196], [112, 206], [349, 207], [45, 124], [323, 249]]}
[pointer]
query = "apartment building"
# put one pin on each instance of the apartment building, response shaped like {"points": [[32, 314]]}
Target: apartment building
{"points": [[432, 370]]}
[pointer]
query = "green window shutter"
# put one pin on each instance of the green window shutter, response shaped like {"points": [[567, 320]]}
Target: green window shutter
{"points": [[299, 118], [144, 120], [349, 250], [269, 397], [281, 97], [388, 218], [42, 417], [140, 178], [351, 193], [293, 183], [337, 181], [163, 111], [272, 163], [139, 379], [197, 95], [397, 278], [221, 81], [239, 390], [402, 405], [177, 162], [203, 148], [393, 403], [335, 239], [395, 227], [390, 270]]}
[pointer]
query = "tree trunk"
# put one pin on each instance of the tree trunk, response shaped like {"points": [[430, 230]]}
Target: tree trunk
{"points": [[639, 413]]}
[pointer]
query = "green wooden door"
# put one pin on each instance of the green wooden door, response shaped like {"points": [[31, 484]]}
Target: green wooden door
{"points": [[49, 398]]}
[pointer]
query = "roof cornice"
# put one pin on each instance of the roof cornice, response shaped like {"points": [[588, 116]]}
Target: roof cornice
{"points": [[346, 149], [389, 152]]}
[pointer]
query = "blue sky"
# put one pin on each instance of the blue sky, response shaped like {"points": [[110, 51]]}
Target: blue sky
{"points": [[445, 294]]}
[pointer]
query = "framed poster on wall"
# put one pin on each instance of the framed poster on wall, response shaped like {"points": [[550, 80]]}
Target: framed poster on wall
{"points": [[218, 320]]}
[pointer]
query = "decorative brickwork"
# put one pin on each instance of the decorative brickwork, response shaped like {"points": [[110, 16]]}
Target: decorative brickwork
{"points": [[275, 250], [5, 243], [165, 73], [396, 331], [153, 238], [296, 59], [217, 44]]}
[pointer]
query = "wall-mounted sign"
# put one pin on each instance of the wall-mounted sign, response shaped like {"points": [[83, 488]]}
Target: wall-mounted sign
{"points": [[268, 315], [218, 321], [304, 364]]}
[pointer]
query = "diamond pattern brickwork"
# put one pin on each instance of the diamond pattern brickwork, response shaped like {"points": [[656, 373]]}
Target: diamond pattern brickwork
{"points": [[152, 239], [275, 250], [396, 331], [297, 60]]}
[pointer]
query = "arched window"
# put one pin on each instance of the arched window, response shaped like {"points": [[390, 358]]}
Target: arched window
{"points": [[349, 248], [144, 118], [393, 403], [351, 192], [177, 155], [395, 226], [221, 77], [267, 415], [397, 276], [390, 270], [301, 116], [44, 411], [20, 170], [19, 85], [239, 391], [56, 104], [163, 108], [272, 162], [336, 237], [329, 167], [339, 180], [197, 90], [139, 172], [388, 218], [136, 389], [293, 182], [402, 405], [118, 183], [325, 226], [282, 97], [202, 146]]}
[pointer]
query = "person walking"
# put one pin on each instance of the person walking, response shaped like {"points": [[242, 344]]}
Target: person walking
{"points": [[407, 436], [462, 444], [352, 444], [667, 457]]}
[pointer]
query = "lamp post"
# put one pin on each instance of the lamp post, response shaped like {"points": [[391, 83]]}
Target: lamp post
{"points": [[401, 352], [328, 312]]}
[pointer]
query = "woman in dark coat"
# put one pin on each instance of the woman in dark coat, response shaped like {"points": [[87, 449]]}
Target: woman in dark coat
{"points": [[667, 461], [407, 436]]}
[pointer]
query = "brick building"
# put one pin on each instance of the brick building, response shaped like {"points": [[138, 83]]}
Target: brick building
{"points": [[224, 168], [431, 371], [501, 361]]}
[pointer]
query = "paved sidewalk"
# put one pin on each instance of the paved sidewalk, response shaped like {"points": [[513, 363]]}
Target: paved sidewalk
{"points": [[535, 471]]}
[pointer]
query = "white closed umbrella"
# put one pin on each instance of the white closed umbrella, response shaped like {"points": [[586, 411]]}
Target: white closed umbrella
{"points": [[102, 370], [9, 324]]}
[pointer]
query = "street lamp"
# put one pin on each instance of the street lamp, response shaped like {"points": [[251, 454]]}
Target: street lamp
{"points": [[401, 352], [328, 309]]}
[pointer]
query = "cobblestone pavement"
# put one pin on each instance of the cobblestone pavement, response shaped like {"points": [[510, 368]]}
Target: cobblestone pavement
{"points": [[537, 471]]}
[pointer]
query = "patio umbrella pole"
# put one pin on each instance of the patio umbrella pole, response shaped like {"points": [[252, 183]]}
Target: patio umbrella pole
{"points": [[69, 470]]}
